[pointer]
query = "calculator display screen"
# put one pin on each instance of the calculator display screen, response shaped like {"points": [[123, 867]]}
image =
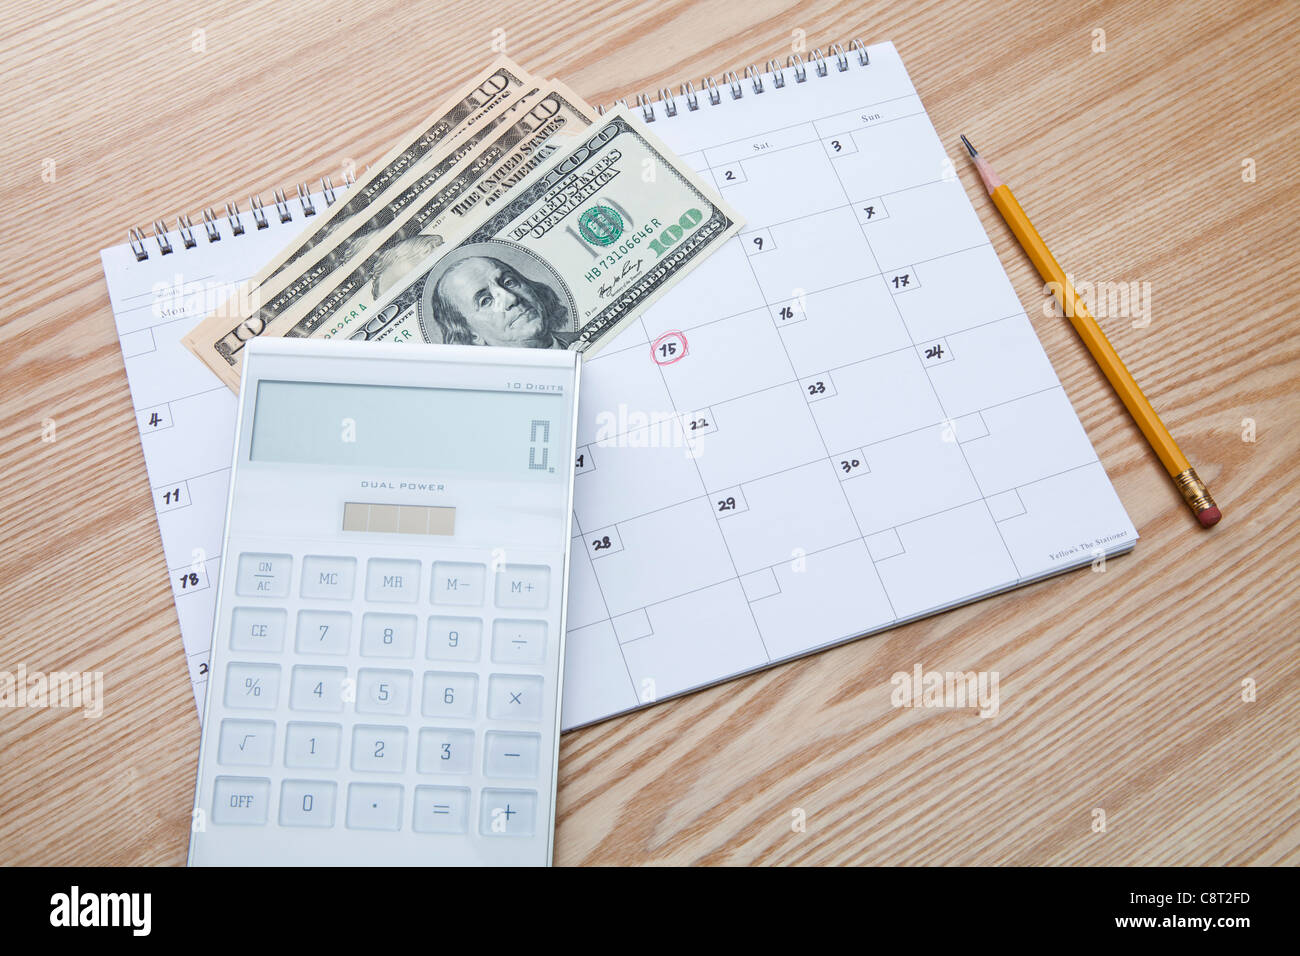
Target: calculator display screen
{"points": [[498, 433]]}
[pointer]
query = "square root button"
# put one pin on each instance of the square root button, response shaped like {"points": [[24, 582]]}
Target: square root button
{"points": [[523, 586]]}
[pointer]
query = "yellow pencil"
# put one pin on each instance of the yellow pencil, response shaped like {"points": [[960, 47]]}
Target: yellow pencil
{"points": [[1184, 475]]}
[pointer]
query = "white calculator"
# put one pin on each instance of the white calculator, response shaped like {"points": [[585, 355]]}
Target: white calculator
{"points": [[388, 646]]}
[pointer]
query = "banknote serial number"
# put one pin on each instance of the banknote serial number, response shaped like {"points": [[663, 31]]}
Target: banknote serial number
{"points": [[660, 238], [625, 248]]}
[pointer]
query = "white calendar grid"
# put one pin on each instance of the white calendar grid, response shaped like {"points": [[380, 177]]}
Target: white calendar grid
{"points": [[841, 421]]}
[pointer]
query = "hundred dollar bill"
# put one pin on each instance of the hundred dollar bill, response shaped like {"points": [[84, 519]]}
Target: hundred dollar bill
{"points": [[259, 302], [550, 127], [565, 260], [388, 242], [478, 101]]}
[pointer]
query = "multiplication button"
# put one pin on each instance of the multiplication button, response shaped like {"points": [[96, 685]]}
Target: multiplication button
{"points": [[514, 697], [523, 586], [390, 580], [263, 575]]}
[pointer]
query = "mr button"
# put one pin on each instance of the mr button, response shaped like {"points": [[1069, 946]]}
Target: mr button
{"points": [[391, 580], [523, 586]]}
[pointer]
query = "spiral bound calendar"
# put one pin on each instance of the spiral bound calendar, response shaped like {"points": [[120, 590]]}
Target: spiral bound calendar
{"points": [[841, 421]]}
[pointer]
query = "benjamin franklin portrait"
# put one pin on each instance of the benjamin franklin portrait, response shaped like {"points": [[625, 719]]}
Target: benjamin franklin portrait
{"points": [[482, 299]]}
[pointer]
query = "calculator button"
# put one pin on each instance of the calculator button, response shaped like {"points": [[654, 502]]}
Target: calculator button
{"points": [[513, 697], [389, 580], [328, 577], [454, 639], [324, 632], [511, 755], [374, 806], [445, 751], [441, 810], [456, 583], [317, 688], [519, 642], [252, 686], [263, 575], [449, 695], [383, 692], [312, 745], [388, 635], [257, 629], [307, 803], [246, 743], [508, 812], [240, 800], [379, 748], [523, 586]]}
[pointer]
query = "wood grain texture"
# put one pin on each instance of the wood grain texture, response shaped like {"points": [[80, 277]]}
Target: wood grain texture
{"points": [[1120, 690]]}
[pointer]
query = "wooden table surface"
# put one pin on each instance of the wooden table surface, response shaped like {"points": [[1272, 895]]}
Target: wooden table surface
{"points": [[1121, 691]]}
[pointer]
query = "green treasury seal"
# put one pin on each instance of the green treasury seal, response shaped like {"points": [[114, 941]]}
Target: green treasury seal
{"points": [[600, 225]]}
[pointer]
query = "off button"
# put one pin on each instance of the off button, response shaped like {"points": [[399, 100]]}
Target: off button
{"points": [[240, 800]]}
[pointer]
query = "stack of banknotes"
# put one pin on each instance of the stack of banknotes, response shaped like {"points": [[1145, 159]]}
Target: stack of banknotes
{"points": [[515, 215]]}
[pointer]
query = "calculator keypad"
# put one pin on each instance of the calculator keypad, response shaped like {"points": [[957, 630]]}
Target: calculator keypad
{"points": [[386, 681]]}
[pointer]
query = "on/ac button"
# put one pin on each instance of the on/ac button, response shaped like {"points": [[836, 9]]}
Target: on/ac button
{"points": [[263, 575]]}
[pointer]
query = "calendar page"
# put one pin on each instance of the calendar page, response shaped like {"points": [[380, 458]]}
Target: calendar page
{"points": [[841, 421]]}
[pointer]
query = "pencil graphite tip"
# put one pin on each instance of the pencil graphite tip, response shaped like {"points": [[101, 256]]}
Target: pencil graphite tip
{"points": [[990, 178]]}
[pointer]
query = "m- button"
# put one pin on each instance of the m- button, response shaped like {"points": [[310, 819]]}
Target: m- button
{"points": [[390, 580], [458, 583], [263, 575], [523, 586]]}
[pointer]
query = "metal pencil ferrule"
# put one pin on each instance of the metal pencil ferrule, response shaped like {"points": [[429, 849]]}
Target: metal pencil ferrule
{"points": [[1193, 490]]}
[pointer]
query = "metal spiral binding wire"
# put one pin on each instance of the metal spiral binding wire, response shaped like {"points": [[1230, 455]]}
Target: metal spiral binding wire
{"points": [[776, 80], [753, 76], [212, 215]]}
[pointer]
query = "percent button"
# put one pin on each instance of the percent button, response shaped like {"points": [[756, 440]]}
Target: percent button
{"points": [[252, 686]]}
